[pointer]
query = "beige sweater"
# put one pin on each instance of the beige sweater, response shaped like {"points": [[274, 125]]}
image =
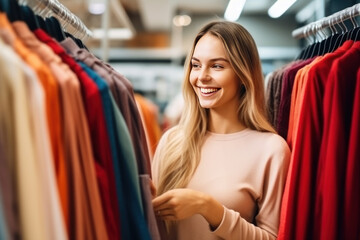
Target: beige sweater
{"points": [[246, 172]]}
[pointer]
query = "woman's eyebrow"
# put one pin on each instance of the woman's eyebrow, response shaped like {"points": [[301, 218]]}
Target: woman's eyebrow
{"points": [[212, 59]]}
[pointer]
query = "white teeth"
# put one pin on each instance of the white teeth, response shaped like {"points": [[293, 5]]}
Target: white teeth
{"points": [[208, 90]]}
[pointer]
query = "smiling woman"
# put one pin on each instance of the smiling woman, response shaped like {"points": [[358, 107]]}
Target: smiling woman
{"points": [[212, 180], [213, 78]]}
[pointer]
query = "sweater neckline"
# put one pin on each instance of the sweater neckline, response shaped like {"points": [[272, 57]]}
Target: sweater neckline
{"points": [[228, 136]]}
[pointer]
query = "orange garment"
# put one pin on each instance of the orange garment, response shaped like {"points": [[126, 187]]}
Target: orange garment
{"points": [[149, 117], [297, 96], [52, 107]]}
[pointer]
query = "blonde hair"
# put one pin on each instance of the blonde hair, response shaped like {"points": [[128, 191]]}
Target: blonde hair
{"points": [[180, 156]]}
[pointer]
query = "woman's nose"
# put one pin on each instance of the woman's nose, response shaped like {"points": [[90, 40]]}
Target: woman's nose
{"points": [[204, 75]]}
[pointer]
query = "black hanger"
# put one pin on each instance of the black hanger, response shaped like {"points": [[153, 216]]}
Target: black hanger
{"points": [[55, 28], [28, 16], [315, 50], [355, 34]]}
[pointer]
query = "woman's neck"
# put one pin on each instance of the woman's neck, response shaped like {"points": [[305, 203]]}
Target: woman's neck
{"points": [[224, 122]]}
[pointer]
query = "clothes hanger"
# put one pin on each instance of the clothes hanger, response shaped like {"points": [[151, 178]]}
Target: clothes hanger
{"points": [[80, 31], [345, 33], [303, 52], [333, 38], [318, 45], [314, 45], [354, 32], [339, 39], [327, 42]]}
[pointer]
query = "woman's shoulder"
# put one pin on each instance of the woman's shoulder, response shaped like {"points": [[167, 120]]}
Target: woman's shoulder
{"points": [[270, 141], [167, 132], [166, 135]]}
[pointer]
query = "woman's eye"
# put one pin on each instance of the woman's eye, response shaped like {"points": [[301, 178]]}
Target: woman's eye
{"points": [[195, 65], [217, 66]]}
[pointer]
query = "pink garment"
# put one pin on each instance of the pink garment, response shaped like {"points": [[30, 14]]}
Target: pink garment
{"points": [[246, 172]]}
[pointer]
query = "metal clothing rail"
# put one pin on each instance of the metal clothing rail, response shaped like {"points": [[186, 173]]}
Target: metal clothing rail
{"points": [[338, 17], [69, 21]]}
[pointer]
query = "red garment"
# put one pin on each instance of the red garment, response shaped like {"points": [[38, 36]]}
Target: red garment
{"points": [[296, 220], [352, 176], [338, 101], [99, 139]]}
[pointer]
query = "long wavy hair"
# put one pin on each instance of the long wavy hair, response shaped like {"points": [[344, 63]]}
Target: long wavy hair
{"points": [[180, 156]]}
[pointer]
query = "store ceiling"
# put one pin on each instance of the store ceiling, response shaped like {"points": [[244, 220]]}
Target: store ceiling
{"points": [[156, 15]]}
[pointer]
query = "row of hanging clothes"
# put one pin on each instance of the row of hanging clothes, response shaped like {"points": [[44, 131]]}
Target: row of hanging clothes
{"points": [[314, 103], [74, 161]]}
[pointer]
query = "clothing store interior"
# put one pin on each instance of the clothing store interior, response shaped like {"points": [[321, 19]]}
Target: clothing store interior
{"points": [[127, 57]]}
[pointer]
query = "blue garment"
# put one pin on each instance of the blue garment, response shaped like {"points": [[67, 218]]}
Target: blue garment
{"points": [[133, 224]]}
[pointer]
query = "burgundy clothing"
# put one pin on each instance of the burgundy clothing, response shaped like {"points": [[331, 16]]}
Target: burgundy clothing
{"points": [[282, 120]]}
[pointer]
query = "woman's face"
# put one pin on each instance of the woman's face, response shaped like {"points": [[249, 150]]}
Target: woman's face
{"points": [[212, 77]]}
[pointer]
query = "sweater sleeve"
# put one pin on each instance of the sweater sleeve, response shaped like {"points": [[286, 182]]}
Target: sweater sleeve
{"points": [[266, 222]]}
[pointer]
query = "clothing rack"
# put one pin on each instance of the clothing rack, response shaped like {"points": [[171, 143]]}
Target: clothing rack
{"points": [[338, 17], [69, 21]]}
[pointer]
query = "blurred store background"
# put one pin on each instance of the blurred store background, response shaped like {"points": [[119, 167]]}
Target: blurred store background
{"points": [[147, 40]]}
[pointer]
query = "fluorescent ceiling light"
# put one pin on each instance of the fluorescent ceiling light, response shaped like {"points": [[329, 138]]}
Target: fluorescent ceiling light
{"points": [[113, 33], [279, 7], [234, 9], [305, 13]]}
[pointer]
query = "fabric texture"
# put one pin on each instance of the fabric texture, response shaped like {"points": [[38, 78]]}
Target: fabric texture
{"points": [[338, 108], [27, 174], [297, 208], [93, 226], [122, 92], [134, 216], [285, 101], [352, 179], [52, 103]]}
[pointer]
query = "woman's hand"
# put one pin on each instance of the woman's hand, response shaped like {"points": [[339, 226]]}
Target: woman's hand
{"points": [[182, 203]]}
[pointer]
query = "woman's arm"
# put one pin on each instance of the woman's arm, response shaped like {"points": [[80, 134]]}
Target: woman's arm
{"points": [[182, 203], [178, 204]]}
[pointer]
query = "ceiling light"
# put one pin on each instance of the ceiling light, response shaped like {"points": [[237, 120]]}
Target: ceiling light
{"points": [[181, 20], [113, 33], [96, 8], [234, 9], [306, 13], [279, 7]]}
